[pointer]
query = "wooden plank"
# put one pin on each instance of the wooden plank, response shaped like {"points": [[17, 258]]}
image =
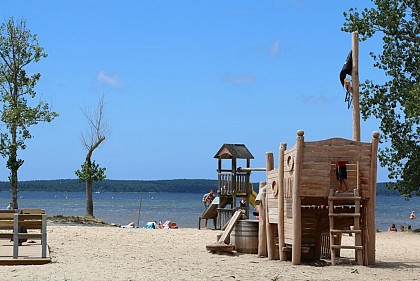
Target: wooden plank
{"points": [[273, 174], [220, 247], [345, 215], [273, 218], [6, 216], [345, 231], [229, 228], [30, 235], [272, 203], [33, 211], [6, 224], [335, 142], [321, 171], [342, 156], [273, 211], [349, 247], [313, 193], [31, 224]]}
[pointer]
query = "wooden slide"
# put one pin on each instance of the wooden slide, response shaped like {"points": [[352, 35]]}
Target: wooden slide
{"points": [[221, 245]]}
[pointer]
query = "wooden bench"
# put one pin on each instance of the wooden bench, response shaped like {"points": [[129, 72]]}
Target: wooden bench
{"points": [[33, 220]]}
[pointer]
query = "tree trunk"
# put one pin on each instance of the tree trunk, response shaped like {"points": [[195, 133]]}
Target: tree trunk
{"points": [[13, 165], [14, 185], [89, 198]]}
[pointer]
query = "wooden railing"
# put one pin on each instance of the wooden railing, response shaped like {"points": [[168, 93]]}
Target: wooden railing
{"points": [[224, 216], [226, 186]]}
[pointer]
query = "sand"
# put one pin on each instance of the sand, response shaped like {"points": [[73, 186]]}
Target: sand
{"points": [[112, 253]]}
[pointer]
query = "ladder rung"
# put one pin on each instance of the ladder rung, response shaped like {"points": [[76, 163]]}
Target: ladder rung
{"points": [[347, 247], [345, 231], [344, 214]]}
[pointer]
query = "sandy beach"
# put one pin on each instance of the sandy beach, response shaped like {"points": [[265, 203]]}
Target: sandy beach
{"points": [[112, 253]]}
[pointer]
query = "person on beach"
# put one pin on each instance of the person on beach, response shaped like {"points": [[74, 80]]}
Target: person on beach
{"points": [[341, 175], [412, 216], [207, 199], [243, 202], [10, 206], [392, 228]]}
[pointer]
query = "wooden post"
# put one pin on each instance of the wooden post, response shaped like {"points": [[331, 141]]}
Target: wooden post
{"points": [[271, 245], [262, 227], [219, 187], [138, 216], [280, 225], [234, 187], [44, 235], [370, 237], [355, 86], [16, 236], [296, 205]]}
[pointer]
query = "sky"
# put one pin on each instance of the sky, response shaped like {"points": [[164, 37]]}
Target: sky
{"points": [[181, 78]]}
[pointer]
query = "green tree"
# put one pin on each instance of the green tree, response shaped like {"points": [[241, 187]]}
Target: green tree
{"points": [[396, 101], [18, 49], [90, 171]]}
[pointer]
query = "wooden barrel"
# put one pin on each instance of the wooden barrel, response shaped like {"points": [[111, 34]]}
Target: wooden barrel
{"points": [[245, 236]]}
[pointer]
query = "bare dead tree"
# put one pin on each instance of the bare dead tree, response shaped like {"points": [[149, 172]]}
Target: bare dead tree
{"points": [[95, 135]]}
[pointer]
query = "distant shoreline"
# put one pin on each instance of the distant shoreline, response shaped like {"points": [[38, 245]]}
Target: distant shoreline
{"points": [[174, 185]]}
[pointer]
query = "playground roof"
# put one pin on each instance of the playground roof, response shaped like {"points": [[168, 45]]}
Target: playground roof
{"points": [[231, 151]]}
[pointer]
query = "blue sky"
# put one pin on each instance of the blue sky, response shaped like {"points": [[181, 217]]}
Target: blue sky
{"points": [[180, 78]]}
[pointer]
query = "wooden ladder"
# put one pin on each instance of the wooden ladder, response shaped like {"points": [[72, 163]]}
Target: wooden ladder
{"points": [[348, 199]]}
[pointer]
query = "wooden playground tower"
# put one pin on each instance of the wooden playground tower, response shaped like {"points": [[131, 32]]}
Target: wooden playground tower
{"points": [[233, 182]]}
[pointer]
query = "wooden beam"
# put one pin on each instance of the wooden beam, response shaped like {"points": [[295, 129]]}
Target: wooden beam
{"points": [[250, 169], [280, 226], [271, 245]]}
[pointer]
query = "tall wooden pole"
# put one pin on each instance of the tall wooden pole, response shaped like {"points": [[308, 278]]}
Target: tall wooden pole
{"points": [[370, 236], [283, 256], [355, 86], [296, 202], [138, 217]]}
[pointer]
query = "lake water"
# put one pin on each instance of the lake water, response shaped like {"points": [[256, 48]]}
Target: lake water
{"points": [[182, 208]]}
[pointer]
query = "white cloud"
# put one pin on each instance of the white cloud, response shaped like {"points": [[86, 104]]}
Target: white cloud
{"points": [[275, 48], [313, 99], [112, 80], [238, 79]]}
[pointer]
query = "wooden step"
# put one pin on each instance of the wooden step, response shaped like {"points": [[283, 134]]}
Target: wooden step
{"points": [[346, 247], [344, 214], [345, 231]]}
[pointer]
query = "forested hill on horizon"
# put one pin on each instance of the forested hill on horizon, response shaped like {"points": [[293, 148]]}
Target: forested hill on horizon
{"points": [[175, 185]]}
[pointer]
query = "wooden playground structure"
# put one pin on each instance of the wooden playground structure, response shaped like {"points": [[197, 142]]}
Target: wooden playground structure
{"points": [[308, 202], [233, 183], [303, 202]]}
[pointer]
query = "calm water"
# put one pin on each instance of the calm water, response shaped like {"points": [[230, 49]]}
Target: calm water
{"points": [[182, 208]]}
